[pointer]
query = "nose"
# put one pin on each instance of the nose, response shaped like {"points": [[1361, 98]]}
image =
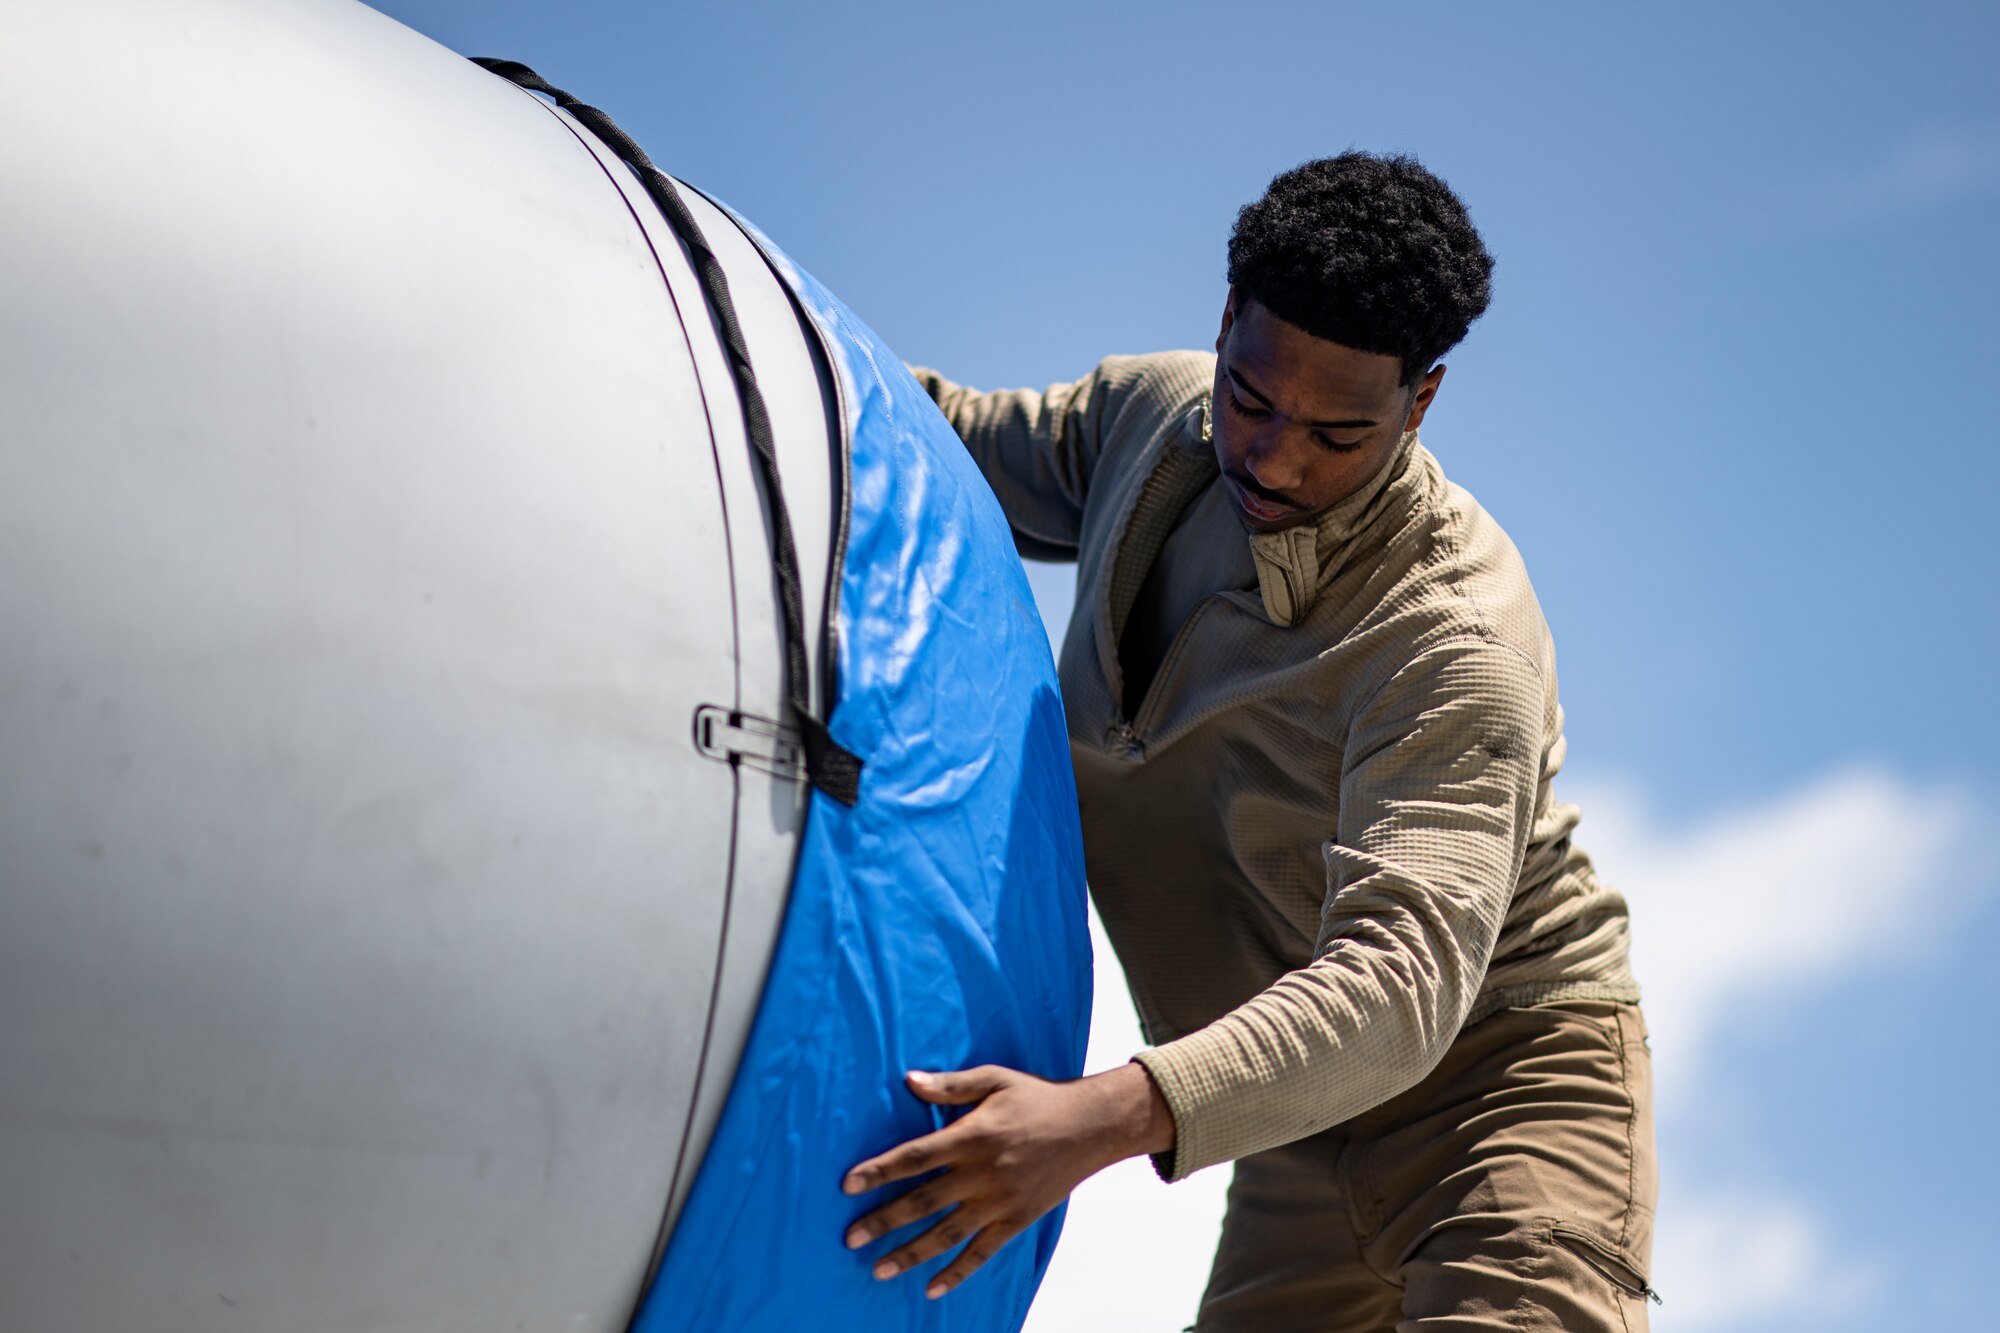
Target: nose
{"points": [[1271, 462]]}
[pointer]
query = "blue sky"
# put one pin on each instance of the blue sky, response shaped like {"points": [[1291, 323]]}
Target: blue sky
{"points": [[1733, 401]]}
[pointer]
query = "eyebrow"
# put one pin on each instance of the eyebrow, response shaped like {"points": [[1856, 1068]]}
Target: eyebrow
{"points": [[1245, 385]]}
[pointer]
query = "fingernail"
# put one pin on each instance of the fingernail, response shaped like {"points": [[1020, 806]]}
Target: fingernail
{"points": [[852, 1185], [935, 1290], [885, 1269], [919, 1076], [856, 1238]]}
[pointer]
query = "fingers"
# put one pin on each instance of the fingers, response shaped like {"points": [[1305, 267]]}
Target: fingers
{"points": [[966, 1224], [951, 1230], [968, 1221], [956, 1089], [985, 1244], [919, 1203], [900, 1163], [932, 1150]]}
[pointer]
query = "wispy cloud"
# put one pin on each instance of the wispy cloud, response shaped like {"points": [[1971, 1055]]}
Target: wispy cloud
{"points": [[1925, 168], [1765, 899], [1737, 1259], [1778, 896]]}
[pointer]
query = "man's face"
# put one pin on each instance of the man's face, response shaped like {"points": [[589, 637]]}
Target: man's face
{"points": [[1300, 423]]}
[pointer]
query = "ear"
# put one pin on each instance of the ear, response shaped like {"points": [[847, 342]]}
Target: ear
{"points": [[1427, 389], [1228, 318]]}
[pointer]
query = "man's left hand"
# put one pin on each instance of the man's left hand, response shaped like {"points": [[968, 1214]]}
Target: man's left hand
{"points": [[1018, 1153]]}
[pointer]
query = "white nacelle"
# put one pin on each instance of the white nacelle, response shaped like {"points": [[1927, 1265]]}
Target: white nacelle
{"points": [[375, 515]]}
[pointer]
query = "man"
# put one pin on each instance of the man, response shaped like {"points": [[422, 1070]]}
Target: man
{"points": [[1312, 709]]}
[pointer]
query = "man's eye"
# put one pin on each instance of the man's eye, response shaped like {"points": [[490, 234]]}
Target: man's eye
{"points": [[1338, 447], [1243, 409]]}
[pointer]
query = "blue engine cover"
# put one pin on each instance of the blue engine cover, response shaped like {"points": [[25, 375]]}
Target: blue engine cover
{"points": [[937, 924]]}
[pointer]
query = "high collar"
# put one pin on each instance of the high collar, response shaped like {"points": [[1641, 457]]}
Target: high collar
{"points": [[1295, 563]]}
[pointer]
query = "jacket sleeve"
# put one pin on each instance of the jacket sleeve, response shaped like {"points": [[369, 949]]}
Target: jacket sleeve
{"points": [[1039, 450], [1436, 799]]}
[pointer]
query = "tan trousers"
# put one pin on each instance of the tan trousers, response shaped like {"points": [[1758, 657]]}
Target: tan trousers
{"points": [[1512, 1189]]}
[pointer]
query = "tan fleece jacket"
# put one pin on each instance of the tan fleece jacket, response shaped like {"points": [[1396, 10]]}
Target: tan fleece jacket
{"points": [[1326, 841]]}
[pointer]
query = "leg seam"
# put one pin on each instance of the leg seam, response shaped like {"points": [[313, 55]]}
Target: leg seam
{"points": [[1631, 1136]]}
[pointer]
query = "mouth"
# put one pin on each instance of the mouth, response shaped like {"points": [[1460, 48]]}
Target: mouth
{"points": [[1255, 506]]}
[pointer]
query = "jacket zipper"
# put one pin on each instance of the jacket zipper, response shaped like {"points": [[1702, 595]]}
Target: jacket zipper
{"points": [[1128, 730]]}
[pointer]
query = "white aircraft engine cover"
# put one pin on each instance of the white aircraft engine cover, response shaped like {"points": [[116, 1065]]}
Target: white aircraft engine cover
{"points": [[375, 516]]}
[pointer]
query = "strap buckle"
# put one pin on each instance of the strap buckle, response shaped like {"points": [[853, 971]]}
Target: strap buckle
{"points": [[748, 740]]}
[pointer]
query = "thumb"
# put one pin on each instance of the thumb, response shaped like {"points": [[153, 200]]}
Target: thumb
{"points": [[959, 1088]]}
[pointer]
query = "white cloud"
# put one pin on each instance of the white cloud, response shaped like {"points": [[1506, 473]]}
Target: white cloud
{"points": [[1768, 898], [1735, 1259]]}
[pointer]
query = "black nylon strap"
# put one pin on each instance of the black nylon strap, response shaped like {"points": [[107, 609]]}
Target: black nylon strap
{"points": [[830, 766]]}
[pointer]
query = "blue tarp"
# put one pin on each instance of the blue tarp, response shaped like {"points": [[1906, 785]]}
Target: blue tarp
{"points": [[937, 924]]}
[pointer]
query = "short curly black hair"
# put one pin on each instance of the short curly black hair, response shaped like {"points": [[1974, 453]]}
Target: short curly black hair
{"points": [[1371, 252]]}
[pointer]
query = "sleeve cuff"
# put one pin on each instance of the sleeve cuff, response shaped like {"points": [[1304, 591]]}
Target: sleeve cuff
{"points": [[1180, 1072]]}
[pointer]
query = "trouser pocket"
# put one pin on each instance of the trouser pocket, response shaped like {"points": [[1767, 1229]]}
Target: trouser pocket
{"points": [[1617, 1267]]}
